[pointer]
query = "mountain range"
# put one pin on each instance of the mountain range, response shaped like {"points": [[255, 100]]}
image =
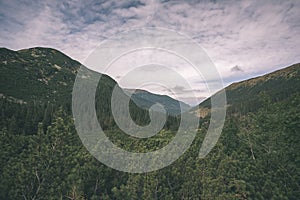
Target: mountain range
{"points": [[44, 74], [146, 99], [42, 156]]}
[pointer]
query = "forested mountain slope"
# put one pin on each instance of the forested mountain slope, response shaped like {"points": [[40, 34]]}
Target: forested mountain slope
{"points": [[145, 99], [245, 96], [39, 74], [40, 80], [42, 157]]}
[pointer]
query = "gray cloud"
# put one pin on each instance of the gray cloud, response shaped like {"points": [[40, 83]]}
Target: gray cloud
{"points": [[236, 69], [179, 88]]}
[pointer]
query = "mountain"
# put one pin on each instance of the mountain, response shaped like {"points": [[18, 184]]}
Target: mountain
{"points": [[249, 95], [44, 74], [145, 99], [42, 156], [258, 147], [41, 80], [40, 74]]}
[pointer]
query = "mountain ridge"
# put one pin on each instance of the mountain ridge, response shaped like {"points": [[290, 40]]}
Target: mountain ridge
{"points": [[146, 99], [52, 73], [44, 78], [42, 156], [246, 96]]}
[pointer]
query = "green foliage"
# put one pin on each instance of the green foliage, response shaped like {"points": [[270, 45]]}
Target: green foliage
{"points": [[42, 157], [145, 99]]}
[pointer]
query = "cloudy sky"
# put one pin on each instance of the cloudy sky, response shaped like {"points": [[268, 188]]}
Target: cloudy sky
{"points": [[242, 38]]}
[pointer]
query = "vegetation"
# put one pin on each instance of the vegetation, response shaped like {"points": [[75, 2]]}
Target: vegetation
{"points": [[145, 99], [243, 97], [42, 156]]}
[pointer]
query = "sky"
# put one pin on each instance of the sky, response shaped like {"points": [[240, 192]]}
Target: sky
{"points": [[243, 39]]}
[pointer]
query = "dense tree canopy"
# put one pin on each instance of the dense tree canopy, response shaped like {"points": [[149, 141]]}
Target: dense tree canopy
{"points": [[42, 157]]}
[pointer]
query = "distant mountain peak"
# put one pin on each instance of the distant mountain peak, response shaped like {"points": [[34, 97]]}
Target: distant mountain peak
{"points": [[131, 90], [146, 99]]}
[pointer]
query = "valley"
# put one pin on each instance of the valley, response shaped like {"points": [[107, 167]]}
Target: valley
{"points": [[42, 156]]}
